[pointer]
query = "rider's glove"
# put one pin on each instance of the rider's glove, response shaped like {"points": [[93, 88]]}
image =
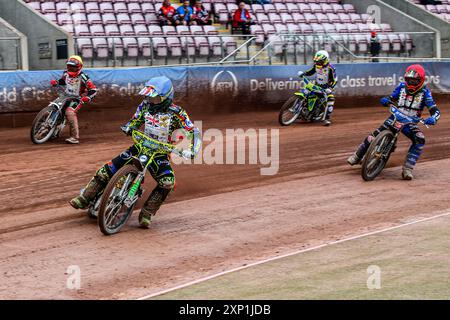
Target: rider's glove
{"points": [[328, 91], [85, 99], [53, 82], [430, 121], [300, 74], [385, 101], [126, 129], [187, 154]]}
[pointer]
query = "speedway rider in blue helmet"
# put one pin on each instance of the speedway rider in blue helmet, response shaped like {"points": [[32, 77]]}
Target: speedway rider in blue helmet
{"points": [[161, 118]]}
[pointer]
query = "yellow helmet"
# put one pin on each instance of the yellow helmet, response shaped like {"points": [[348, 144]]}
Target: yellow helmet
{"points": [[74, 65]]}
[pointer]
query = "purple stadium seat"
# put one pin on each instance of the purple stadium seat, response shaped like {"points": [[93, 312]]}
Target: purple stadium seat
{"points": [[126, 30], [120, 7], [85, 48], [344, 17], [337, 8], [293, 28], [396, 43], [385, 27], [82, 30], [123, 18], [115, 46], [298, 18], [98, 30], [106, 7], [92, 7], [322, 17], [269, 8], [315, 8], [202, 46], [94, 18], [64, 18], [174, 46], [292, 8], [100, 47], [77, 7], [147, 8], [352, 28], [355, 18], [258, 32], [151, 18], [109, 18], [155, 30], [275, 18], [268, 29], [131, 47], [79, 18], [329, 28], [36, 5], [141, 30], [112, 30], [197, 30], [62, 7], [262, 18], [326, 8], [317, 28], [304, 8], [210, 30], [134, 8], [310, 18], [349, 8], [287, 18], [183, 30], [48, 7], [333, 18], [281, 8], [364, 28], [137, 18]]}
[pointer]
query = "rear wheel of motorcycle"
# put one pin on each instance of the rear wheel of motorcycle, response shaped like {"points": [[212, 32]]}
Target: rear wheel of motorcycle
{"points": [[376, 156], [41, 133], [113, 214], [286, 116]]}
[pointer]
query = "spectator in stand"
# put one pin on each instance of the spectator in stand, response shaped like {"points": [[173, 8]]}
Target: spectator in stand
{"points": [[242, 19], [166, 14], [183, 14], [375, 46], [200, 15]]}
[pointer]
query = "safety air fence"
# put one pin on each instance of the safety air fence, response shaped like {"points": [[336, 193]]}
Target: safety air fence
{"points": [[25, 91]]}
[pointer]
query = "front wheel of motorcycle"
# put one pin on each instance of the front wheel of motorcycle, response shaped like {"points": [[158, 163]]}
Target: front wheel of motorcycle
{"points": [[43, 125], [290, 110], [377, 156], [113, 213]]}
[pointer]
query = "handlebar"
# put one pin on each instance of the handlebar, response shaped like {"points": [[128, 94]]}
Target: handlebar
{"points": [[154, 144]]}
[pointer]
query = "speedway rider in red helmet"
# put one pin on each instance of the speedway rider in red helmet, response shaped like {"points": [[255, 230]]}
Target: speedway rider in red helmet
{"points": [[411, 97], [78, 85]]}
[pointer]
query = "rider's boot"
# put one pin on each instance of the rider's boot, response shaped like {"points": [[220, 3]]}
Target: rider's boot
{"points": [[353, 159], [95, 185], [152, 205], [327, 120], [407, 173]]}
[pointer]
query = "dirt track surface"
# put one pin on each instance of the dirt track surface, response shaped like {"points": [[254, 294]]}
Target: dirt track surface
{"points": [[219, 217]]}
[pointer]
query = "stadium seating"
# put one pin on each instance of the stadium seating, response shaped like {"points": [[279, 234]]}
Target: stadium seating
{"points": [[94, 22], [441, 10]]}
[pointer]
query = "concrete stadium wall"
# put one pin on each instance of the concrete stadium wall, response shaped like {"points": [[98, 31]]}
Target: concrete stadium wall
{"points": [[13, 48], [427, 17], [43, 36], [400, 22]]}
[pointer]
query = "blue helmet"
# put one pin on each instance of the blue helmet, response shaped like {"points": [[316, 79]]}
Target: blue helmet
{"points": [[161, 87]]}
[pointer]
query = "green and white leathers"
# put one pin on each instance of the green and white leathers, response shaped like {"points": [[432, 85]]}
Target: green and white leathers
{"points": [[160, 118]]}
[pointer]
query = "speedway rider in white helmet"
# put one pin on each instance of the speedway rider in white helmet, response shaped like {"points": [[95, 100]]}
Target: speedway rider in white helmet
{"points": [[325, 78], [160, 118]]}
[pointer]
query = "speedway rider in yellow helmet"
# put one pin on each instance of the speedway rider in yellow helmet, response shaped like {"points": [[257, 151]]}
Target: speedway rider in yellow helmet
{"points": [[325, 78], [160, 117], [77, 85]]}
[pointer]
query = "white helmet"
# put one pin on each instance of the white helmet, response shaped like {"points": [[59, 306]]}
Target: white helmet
{"points": [[321, 58]]}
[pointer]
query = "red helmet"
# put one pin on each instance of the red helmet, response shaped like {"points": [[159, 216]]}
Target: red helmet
{"points": [[74, 66], [414, 78]]}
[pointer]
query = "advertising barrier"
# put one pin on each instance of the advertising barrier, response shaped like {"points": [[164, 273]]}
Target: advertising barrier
{"points": [[237, 85]]}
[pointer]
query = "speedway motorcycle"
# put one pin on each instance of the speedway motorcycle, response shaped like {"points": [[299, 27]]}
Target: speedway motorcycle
{"points": [[126, 186], [308, 104], [51, 120], [384, 144]]}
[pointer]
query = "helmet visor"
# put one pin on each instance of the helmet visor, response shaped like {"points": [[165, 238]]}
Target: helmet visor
{"points": [[72, 68], [412, 81]]}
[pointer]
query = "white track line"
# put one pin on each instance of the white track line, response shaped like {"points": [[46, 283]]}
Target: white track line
{"points": [[288, 255]]}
